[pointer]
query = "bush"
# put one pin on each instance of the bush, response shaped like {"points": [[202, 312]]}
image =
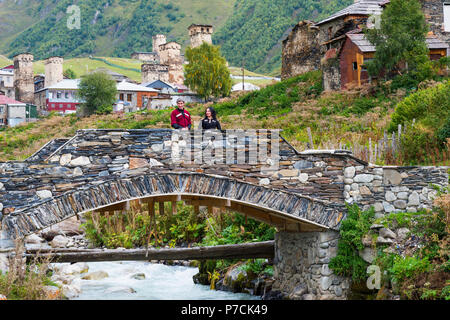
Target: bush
{"points": [[409, 267], [430, 106], [347, 261]]}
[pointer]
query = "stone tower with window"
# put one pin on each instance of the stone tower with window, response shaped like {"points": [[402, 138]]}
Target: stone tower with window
{"points": [[200, 33], [23, 78]]}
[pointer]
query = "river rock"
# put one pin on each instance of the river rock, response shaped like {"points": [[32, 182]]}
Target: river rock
{"points": [[235, 278], [34, 239], [119, 289], [97, 275], [298, 292], [59, 241], [71, 291], [138, 276], [51, 292]]}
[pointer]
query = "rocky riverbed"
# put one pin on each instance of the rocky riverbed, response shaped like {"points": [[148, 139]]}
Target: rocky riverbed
{"points": [[72, 277]]}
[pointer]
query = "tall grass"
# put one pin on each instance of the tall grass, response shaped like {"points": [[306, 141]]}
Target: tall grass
{"points": [[25, 281]]}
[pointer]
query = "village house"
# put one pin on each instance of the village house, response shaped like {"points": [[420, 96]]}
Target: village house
{"points": [[357, 50], [136, 95], [336, 45], [14, 112], [7, 81], [60, 97]]}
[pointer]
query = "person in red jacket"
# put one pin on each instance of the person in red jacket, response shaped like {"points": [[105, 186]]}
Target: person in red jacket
{"points": [[180, 118]]}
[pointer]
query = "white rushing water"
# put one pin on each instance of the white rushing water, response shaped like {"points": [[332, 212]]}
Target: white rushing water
{"points": [[161, 282]]}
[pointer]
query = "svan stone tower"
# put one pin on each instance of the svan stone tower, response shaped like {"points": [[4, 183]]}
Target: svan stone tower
{"points": [[170, 54], [158, 40], [53, 71], [200, 33], [23, 78]]}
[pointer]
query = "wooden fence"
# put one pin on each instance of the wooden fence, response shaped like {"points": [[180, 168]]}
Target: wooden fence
{"points": [[385, 149]]}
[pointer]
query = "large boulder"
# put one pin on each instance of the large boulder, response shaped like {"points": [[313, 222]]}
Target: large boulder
{"points": [[97, 275]]}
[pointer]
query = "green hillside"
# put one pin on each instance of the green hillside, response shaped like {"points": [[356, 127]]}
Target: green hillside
{"points": [[249, 31]]}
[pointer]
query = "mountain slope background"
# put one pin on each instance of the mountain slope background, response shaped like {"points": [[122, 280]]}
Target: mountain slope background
{"points": [[249, 31]]}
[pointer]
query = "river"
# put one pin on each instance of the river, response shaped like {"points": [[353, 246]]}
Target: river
{"points": [[161, 282]]}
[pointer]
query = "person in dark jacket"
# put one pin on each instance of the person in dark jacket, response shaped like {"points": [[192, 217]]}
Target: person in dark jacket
{"points": [[210, 121], [180, 118]]}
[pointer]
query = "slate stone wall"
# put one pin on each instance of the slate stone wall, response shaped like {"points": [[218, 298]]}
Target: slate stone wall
{"points": [[301, 268]]}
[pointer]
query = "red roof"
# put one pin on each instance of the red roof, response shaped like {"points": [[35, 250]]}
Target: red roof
{"points": [[6, 100], [10, 67]]}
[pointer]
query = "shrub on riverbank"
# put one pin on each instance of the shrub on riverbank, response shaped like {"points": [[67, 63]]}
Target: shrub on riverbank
{"points": [[27, 281]]}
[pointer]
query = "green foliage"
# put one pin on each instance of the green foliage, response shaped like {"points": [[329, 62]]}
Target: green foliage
{"points": [[347, 261], [234, 228], [104, 109], [135, 24], [344, 105], [409, 267], [276, 99], [70, 74], [400, 38], [207, 72], [430, 108], [445, 293], [98, 91]]}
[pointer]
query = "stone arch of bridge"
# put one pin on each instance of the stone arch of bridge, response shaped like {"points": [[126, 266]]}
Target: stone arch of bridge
{"points": [[284, 210]]}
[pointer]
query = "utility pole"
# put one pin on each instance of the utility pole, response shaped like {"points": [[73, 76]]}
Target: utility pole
{"points": [[243, 76]]}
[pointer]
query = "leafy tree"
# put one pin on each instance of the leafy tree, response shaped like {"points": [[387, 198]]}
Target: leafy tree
{"points": [[400, 38], [70, 74], [98, 91], [207, 71]]}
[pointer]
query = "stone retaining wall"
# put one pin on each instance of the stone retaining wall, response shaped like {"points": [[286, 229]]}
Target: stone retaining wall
{"points": [[393, 189], [301, 269]]}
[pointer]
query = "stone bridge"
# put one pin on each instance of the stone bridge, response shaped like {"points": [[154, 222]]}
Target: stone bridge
{"points": [[302, 194]]}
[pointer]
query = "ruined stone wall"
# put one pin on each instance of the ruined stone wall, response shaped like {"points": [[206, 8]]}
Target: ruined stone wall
{"points": [[145, 56], [151, 72], [23, 78], [308, 44], [301, 50]]}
